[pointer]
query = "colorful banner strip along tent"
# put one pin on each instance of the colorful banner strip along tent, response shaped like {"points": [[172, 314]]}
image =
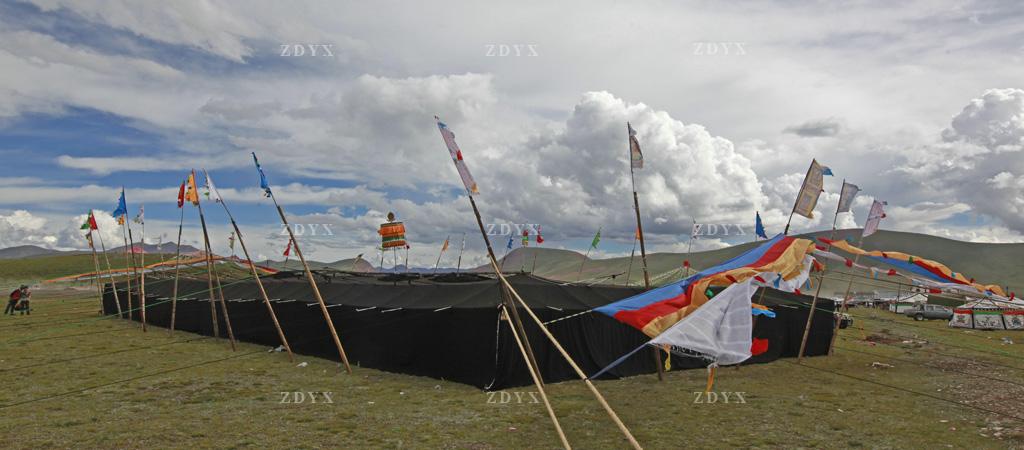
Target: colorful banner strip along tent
{"points": [[656, 310], [924, 268]]}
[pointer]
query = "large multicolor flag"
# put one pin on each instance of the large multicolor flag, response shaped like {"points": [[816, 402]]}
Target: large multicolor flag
{"points": [[636, 157], [759, 227], [456, 153], [122, 209], [921, 267], [656, 310], [191, 191], [811, 189], [846, 196], [263, 178], [875, 216]]}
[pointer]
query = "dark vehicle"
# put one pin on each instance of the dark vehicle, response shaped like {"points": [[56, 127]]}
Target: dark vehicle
{"points": [[922, 312]]}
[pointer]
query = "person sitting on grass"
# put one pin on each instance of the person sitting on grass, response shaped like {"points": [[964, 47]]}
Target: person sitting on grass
{"points": [[23, 302], [12, 300]]}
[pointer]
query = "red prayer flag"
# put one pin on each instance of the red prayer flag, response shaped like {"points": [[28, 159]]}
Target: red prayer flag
{"points": [[181, 194], [288, 251], [686, 263]]}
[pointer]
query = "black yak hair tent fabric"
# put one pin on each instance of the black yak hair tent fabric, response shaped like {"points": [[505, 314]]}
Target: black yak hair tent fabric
{"points": [[447, 326]]}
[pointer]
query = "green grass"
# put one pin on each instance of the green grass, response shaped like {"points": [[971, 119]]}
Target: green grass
{"points": [[232, 399]]}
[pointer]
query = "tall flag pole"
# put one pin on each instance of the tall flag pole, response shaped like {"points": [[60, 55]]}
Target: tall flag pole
{"points": [[458, 265], [309, 274], [875, 216], [810, 190], [539, 240], [213, 268], [237, 233], [177, 254], [110, 270], [593, 245], [694, 233], [511, 309], [141, 220], [90, 224], [443, 248], [119, 214], [636, 161], [192, 196], [135, 270]]}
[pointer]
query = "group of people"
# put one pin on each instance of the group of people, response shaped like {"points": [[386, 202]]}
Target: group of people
{"points": [[19, 301]]}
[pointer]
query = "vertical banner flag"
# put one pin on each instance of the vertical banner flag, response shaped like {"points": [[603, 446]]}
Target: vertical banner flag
{"points": [[526, 238], [445, 246], [695, 230], [191, 191], [540, 239], [140, 218], [460, 164], [181, 194], [231, 241], [263, 178], [511, 237], [597, 239], [759, 227], [288, 250], [807, 199], [636, 158], [122, 209], [846, 197], [875, 216], [211, 190]]}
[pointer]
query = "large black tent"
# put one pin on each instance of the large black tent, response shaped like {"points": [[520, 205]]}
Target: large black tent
{"points": [[447, 326]]}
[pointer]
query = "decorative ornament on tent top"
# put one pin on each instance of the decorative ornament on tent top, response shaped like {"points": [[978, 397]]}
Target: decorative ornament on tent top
{"points": [[392, 233]]}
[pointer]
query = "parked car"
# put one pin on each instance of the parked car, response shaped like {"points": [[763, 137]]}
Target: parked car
{"points": [[926, 311]]}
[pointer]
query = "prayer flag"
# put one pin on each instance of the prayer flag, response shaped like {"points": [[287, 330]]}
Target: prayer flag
{"points": [[181, 194], [191, 191], [263, 178], [636, 157], [456, 153], [875, 216], [122, 209], [759, 227], [597, 239], [807, 198], [846, 197]]}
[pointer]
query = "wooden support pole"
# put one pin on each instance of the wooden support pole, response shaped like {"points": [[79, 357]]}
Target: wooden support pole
{"points": [[572, 363], [655, 352], [263, 291], [312, 284], [110, 272], [142, 274], [810, 317], [223, 304], [128, 266], [537, 382], [506, 297], [96, 264], [177, 270], [209, 272]]}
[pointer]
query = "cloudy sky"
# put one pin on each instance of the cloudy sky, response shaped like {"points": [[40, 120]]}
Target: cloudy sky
{"points": [[920, 104]]}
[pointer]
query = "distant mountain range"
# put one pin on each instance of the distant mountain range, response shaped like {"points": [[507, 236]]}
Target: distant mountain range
{"points": [[33, 251]]}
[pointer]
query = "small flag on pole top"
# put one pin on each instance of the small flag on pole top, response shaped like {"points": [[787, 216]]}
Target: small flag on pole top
{"points": [[875, 216], [759, 227], [811, 189], [288, 250], [456, 153], [846, 196], [211, 190], [540, 239], [90, 223], [510, 239], [263, 178], [636, 157], [140, 218], [122, 209], [191, 191], [445, 245], [597, 239], [181, 194], [695, 230], [231, 241], [526, 238]]}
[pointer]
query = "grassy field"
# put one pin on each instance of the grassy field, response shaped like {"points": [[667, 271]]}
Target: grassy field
{"points": [[78, 380]]}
